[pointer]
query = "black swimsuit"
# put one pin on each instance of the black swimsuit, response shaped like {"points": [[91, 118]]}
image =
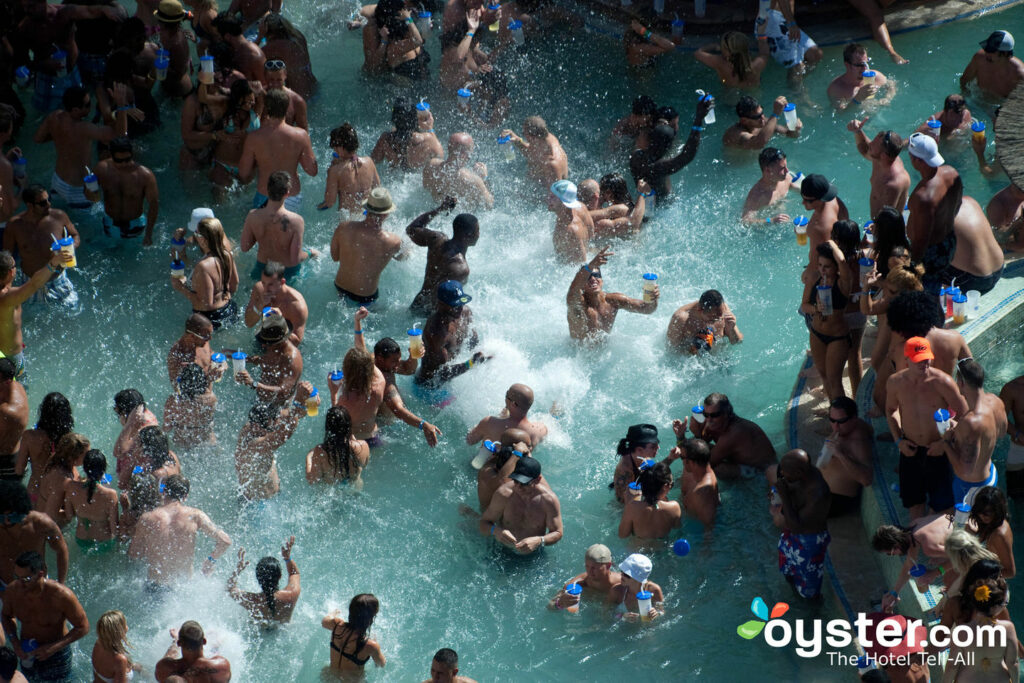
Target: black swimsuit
{"points": [[350, 657], [839, 303]]}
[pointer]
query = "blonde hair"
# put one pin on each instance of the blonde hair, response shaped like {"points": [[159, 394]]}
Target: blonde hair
{"points": [[738, 47], [358, 368], [906, 278], [112, 632], [213, 232], [964, 549], [70, 448]]}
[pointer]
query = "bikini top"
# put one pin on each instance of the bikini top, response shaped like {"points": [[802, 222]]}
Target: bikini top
{"points": [[839, 300], [341, 650], [131, 675], [254, 124]]}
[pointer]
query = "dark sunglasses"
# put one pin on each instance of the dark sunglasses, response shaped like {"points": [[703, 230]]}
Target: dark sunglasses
{"points": [[274, 65], [596, 274], [839, 422], [712, 416], [754, 117], [41, 202]]}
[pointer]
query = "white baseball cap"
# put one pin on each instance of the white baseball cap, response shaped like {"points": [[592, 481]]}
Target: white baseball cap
{"points": [[926, 149], [565, 192], [198, 215], [637, 567]]}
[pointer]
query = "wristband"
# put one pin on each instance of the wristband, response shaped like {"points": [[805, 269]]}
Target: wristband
{"points": [[586, 267], [408, 20], [644, 194], [212, 559], [894, 594], [299, 405], [492, 528], [469, 363], [854, 100], [773, 115], [470, 34], [697, 128], [52, 269], [541, 541], [767, 220], [422, 422], [358, 331], [942, 571], [647, 35]]}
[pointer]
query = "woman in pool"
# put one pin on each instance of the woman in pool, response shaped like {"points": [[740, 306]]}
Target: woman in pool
{"points": [[69, 454], [271, 604], [982, 661], [619, 215], [653, 516], [964, 551], [732, 61], [403, 47], [351, 649], [989, 523], [643, 45], [161, 461], [188, 414], [37, 445], [830, 335], [461, 56], [411, 143], [846, 235], [94, 504], [635, 570], [214, 277], [891, 244], [341, 457], [641, 443], [110, 661], [241, 115]]}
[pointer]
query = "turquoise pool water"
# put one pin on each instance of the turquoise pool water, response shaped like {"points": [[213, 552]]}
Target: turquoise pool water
{"points": [[402, 538]]}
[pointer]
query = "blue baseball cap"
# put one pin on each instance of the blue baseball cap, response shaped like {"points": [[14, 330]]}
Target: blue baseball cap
{"points": [[450, 292]]}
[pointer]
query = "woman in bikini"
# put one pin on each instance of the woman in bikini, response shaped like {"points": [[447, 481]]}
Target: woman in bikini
{"points": [[902, 277], [341, 457], [990, 524], [70, 452], [982, 661], [351, 649], [38, 445], [94, 504], [214, 277], [241, 116], [160, 460], [830, 335], [732, 60], [271, 604], [110, 661]]}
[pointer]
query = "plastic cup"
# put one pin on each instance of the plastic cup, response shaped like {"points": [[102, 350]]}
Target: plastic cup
{"points": [[423, 23], [66, 246], [825, 299], [464, 97], [643, 604], [178, 246], [516, 28], [220, 361], [959, 309], [505, 143], [20, 167], [206, 69], [918, 570], [647, 464], [313, 403], [973, 303], [978, 130], [941, 417], [698, 414], [573, 589], [828, 449], [869, 232], [238, 362], [91, 182], [415, 342], [951, 294], [335, 377], [866, 266], [178, 269], [29, 646], [709, 118], [650, 282], [963, 513], [867, 78], [681, 547], [934, 128], [635, 491], [494, 7], [677, 30], [161, 65], [776, 499], [800, 227], [22, 76], [700, 8], [267, 311], [789, 111]]}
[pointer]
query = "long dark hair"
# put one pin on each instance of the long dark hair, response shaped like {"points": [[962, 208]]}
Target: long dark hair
{"points": [[268, 576], [993, 500], [403, 118], [155, 446], [361, 612], [55, 418], [95, 466], [890, 232], [337, 432], [614, 185], [240, 89]]}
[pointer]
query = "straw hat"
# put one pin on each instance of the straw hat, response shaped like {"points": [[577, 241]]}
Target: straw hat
{"points": [[379, 202], [170, 12]]}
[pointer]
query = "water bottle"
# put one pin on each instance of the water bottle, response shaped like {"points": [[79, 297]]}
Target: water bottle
{"points": [[709, 118], [918, 570], [496, 8], [800, 228], [515, 27], [573, 589], [220, 361], [869, 233], [161, 64], [647, 464], [643, 604], [789, 111], [825, 299], [423, 21], [698, 414], [963, 513], [866, 266], [650, 283], [206, 69], [423, 105], [941, 417], [934, 128], [951, 294], [238, 362], [978, 131], [66, 246], [776, 499], [505, 143], [797, 179], [464, 96]]}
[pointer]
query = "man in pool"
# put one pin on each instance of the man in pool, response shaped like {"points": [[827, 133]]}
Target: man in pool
{"points": [[267, 430], [276, 231], [275, 75], [12, 297], [523, 515], [890, 182], [954, 117], [446, 258], [444, 668], [969, 445], [574, 227], [1005, 211], [446, 330], [696, 326], [166, 538], [849, 90], [192, 347], [546, 161], [698, 485], [350, 177], [32, 234], [500, 460], [43, 607], [280, 363], [25, 529], [363, 249], [772, 187], [126, 187], [753, 130], [193, 665], [803, 518], [597, 578], [14, 416], [911, 398], [934, 204], [454, 177], [739, 448], [272, 291], [995, 68], [655, 166], [130, 408], [518, 401], [822, 198], [276, 146], [1012, 396], [848, 465], [591, 310]]}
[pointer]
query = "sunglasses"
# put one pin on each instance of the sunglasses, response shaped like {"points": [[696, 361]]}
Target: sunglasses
{"points": [[839, 422], [712, 416], [754, 117], [199, 336], [274, 65], [596, 274]]}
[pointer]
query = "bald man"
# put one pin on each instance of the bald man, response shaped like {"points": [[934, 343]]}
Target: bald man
{"points": [[454, 178], [518, 400]]}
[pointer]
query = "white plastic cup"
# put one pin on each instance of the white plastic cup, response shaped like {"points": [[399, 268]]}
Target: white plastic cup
{"points": [[650, 282], [238, 362], [516, 28], [574, 589], [934, 128], [643, 604], [789, 111], [91, 182], [698, 414], [825, 299], [959, 309], [710, 117], [161, 64], [423, 23], [963, 513], [973, 303], [20, 167], [221, 362], [415, 342], [941, 417], [464, 97], [828, 449], [677, 29], [178, 269], [206, 69], [505, 143], [866, 266], [22, 76]]}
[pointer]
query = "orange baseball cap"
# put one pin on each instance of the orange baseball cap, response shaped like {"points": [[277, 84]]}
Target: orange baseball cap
{"points": [[918, 349]]}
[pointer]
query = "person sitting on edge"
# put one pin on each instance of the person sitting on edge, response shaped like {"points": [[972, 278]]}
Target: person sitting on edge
{"points": [[955, 118], [280, 364], [698, 485], [978, 261], [193, 662], [634, 572], [924, 539], [272, 291], [363, 249], [753, 130], [774, 185], [890, 182], [849, 90], [272, 604], [1012, 396], [454, 178], [446, 258], [802, 515], [518, 401], [695, 327], [739, 448], [275, 231], [591, 310], [351, 177], [25, 529], [653, 516], [597, 578], [546, 161], [969, 444], [43, 607], [994, 67], [925, 475], [846, 459], [574, 227], [192, 347], [444, 668], [444, 333], [189, 413], [523, 514], [126, 186], [654, 166]]}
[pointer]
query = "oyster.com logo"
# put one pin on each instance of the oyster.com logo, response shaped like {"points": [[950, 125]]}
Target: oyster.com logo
{"points": [[751, 629]]}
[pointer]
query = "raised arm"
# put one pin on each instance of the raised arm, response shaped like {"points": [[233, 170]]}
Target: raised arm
{"points": [[418, 231], [689, 151], [221, 538], [860, 138]]}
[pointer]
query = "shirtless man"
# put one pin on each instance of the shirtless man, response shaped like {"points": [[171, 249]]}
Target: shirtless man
{"points": [[361, 393], [846, 461], [13, 419], [978, 261], [653, 516], [803, 519], [131, 411], [753, 130], [848, 89], [596, 580], [1004, 212], [955, 118], [518, 401], [73, 136], [546, 161], [444, 668], [934, 204], [23, 529], [592, 311], [43, 607], [915, 394], [10, 189], [996, 69], [276, 146], [166, 537], [444, 333], [453, 177], [363, 249], [351, 177], [192, 347], [698, 485], [446, 258], [639, 119], [11, 299], [277, 231], [655, 165], [275, 75], [31, 235], [890, 182], [1012, 396], [189, 413], [280, 363], [193, 666], [267, 430], [126, 186], [247, 57], [822, 198], [738, 446], [773, 187], [970, 443], [574, 228], [696, 326], [501, 458], [523, 515], [923, 541], [272, 291]]}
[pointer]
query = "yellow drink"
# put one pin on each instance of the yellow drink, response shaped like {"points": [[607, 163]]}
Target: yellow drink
{"points": [[312, 406], [801, 238]]}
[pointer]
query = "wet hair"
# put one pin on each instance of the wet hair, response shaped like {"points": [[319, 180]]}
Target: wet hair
{"points": [[30, 560], [448, 657], [913, 314], [336, 443], [275, 103], [32, 193], [666, 113], [143, 493], [892, 143], [74, 97], [386, 347], [278, 185], [906, 278], [191, 636], [69, 449], [722, 401], [192, 381], [227, 24], [826, 251], [712, 298], [237, 94], [112, 632], [358, 368], [971, 373], [659, 140], [890, 232], [846, 235], [955, 103], [992, 500], [361, 612], [122, 145], [981, 569], [127, 400], [262, 415], [739, 53], [465, 225], [276, 26], [964, 549], [14, 498], [55, 418], [177, 486], [453, 36], [644, 105], [845, 404], [653, 480], [212, 230], [987, 596], [268, 576], [746, 106], [155, 446], [95, 466], [274, 269], [345, 136], [535, 127], [697, 450], [198, 323], [386, 10], [850, 50], [888, 537], [768, 156], [614, 185], [7, 262], [405, 121]]}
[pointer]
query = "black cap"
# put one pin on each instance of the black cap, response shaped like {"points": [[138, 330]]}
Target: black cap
{"points": [[817, 186], [527, 469], [638, 435]]}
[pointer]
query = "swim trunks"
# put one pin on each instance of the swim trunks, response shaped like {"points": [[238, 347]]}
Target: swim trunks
{"points": [[925, 478], [54, 669], [439, 397], [129, 229], [783, 50], [91, 66], [7, 468], [844, 505], [964, 491], [936, 261], [966, 281], [225, 315], [95, 547], [802, 561], [375, 441], [58, 291], [356, 298], [292, 202], [74, 195]]}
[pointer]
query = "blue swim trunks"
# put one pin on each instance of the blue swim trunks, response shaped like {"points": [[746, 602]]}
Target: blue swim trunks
{"points": [[964, 491], [292, 202], [439, 397], [802, 561]]}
